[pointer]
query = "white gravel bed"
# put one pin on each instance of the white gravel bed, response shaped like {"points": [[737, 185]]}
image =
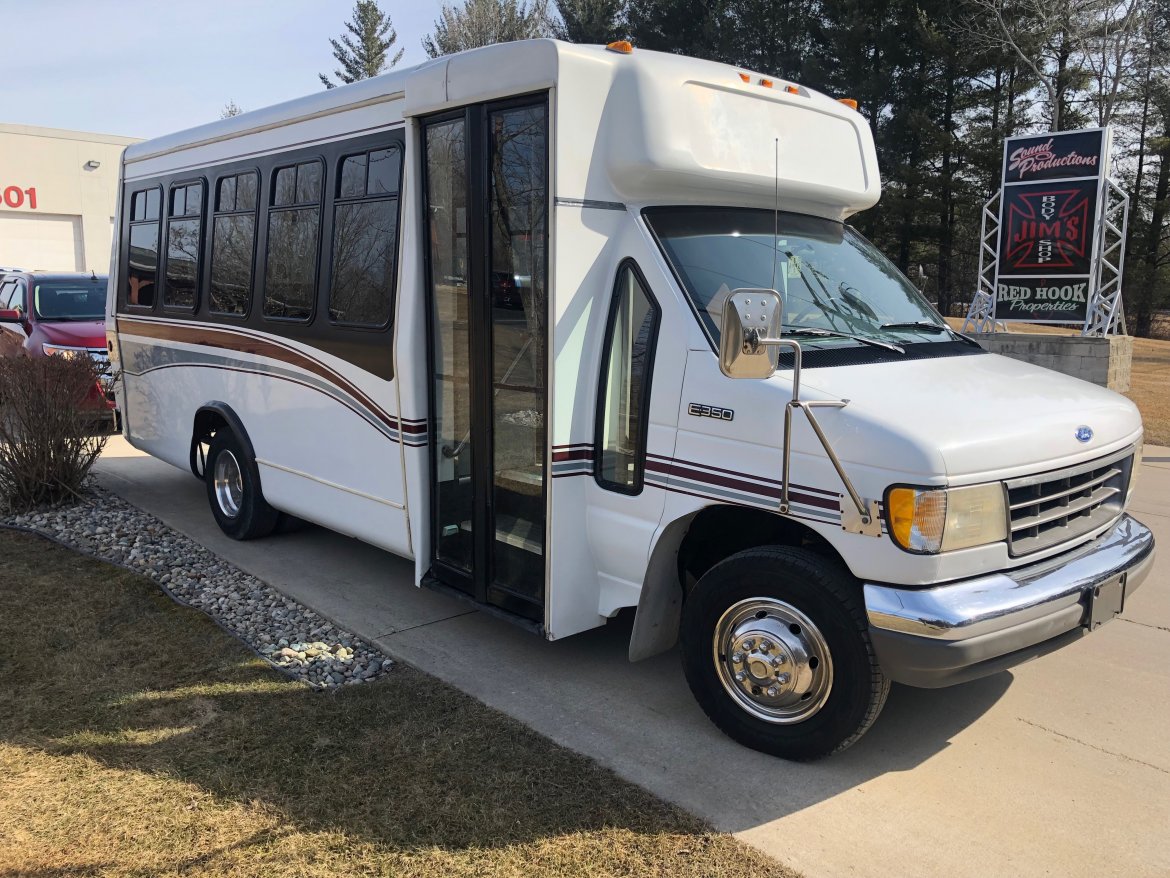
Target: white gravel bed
{"points": [[289, 635]]}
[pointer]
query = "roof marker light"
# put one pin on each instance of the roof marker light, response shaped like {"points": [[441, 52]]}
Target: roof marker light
{"points": [[625, 47], [745, 77], [792, 89], [766, 83], [849, 102]]}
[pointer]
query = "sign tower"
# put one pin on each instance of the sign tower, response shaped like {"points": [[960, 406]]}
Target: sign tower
{"points": [[1052, 244]]}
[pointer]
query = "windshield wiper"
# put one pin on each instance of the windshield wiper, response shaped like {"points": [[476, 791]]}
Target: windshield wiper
{"points": [[817, 332], [917, 324]]}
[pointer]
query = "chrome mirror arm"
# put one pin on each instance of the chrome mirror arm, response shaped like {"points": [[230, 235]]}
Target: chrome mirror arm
{"points": [[752, 343]]}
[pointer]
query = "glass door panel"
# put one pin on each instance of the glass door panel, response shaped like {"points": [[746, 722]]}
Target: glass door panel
{"points": [[454, 496], [518, 231], [487, 206]]}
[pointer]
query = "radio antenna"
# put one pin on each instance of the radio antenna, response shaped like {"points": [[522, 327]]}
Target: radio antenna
{"points": [[776, 217]]}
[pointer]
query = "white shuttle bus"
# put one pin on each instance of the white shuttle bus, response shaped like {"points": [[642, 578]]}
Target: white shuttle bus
{"points": [[581, 328]]}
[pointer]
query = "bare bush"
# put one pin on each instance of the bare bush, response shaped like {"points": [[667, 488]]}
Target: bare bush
{"points": [[53, 425]]}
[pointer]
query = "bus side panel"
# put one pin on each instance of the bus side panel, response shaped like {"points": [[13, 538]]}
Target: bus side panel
{"points": [[328, 452], [595, 576]]}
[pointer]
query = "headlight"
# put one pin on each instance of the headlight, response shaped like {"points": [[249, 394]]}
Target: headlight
{"points": [[933, 520], [63, 351]]}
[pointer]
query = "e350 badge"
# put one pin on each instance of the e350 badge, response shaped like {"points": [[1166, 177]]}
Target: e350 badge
{"points": [[710, 411]]}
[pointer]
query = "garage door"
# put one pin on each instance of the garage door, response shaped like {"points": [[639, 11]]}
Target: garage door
{"points": [[47, 241]]}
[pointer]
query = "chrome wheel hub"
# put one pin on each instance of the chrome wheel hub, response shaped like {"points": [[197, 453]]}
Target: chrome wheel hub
{"points": [[772, 660], [228, 483]]}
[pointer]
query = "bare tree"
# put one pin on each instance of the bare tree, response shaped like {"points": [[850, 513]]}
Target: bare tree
{"points": [[1067, 44], [1112, 53], [486, 22], [231, 108]]}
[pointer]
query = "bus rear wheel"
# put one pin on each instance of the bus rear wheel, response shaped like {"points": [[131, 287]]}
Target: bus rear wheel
{"points": [[777, 653], [233, 490]]}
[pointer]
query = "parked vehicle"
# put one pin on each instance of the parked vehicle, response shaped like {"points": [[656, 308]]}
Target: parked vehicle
{"points": [[58, 314], [723, 407], [505, 290]]}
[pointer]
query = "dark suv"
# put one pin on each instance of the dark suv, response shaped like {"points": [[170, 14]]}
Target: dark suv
{"points": [[59, 313]]}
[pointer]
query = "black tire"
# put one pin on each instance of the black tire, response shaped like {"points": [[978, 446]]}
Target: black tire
{"points": [[289, 524], [244, 515], [827, 596]]}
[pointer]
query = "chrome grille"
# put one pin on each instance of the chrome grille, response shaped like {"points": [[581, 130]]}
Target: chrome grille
{"points": [[1054, 507]]}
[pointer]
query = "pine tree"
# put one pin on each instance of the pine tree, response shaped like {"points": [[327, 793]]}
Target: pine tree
{"points": [[364, 51], [486, 22], [591, 21], [699, 28]]}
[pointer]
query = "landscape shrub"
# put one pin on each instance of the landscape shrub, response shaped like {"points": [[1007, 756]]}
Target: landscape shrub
{"points": [[53, 425]]}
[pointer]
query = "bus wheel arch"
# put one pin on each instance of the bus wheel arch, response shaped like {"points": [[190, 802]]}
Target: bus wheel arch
{"points": [[211, 418], [690, 546], [230, 473]]}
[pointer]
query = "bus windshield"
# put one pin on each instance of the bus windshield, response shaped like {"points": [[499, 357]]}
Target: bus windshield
{"points": [[71, 300], [832, 279]]}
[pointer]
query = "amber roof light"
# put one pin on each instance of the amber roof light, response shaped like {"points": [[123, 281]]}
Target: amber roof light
{"points": [[625, 47], [849, 102]]}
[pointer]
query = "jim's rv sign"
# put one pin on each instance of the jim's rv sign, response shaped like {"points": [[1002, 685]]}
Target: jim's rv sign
{"points": [[1049, 218]]}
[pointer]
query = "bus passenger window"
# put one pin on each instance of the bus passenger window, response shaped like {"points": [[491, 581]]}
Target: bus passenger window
{"points": [[184, 239], [142, 255], [365, 239], [627, 364], [290, 278], [233, 236]]}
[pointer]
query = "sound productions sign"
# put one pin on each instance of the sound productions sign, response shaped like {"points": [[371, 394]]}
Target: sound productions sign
{"points": [[1050, 218]]}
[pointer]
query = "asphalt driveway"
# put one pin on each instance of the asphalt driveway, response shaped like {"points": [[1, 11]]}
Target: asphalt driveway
{"points": [[1060, 767]]}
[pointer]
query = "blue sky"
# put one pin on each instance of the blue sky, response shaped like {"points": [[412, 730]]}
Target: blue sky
{"points": [[142, 68]]}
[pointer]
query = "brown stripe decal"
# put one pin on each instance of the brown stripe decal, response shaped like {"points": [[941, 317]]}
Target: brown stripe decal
{"points": [[242, 342]]}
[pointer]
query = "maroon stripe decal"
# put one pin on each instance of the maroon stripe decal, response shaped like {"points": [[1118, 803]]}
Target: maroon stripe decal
{"points": [[576, 454], [776, 482], [743, 483], [676, 490]]}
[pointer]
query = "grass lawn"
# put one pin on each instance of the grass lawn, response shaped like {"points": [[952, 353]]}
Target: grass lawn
{"points": [[139, 739], [1150, 387]]}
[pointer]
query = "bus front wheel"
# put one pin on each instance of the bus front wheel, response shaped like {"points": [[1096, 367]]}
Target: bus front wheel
{"points": [[233, 490], [776, 650]]}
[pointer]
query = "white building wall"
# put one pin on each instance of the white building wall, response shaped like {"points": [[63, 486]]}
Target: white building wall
{"points": [[55, 213]]}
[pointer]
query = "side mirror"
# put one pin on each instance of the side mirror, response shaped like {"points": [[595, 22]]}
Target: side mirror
{"points": [[750, 319], [11, 315]]}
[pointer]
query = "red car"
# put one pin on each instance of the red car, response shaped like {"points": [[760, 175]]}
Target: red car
{"points": [[57, 313]]}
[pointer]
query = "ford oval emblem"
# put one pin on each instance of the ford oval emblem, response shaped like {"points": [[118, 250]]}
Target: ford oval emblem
{"points": [[1084, 434]]}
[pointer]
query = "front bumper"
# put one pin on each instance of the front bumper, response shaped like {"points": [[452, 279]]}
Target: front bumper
{"points": [[963, 630]]}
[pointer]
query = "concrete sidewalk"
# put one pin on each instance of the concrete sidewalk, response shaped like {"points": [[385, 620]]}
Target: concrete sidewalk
{"points": [[1059, 767]]}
